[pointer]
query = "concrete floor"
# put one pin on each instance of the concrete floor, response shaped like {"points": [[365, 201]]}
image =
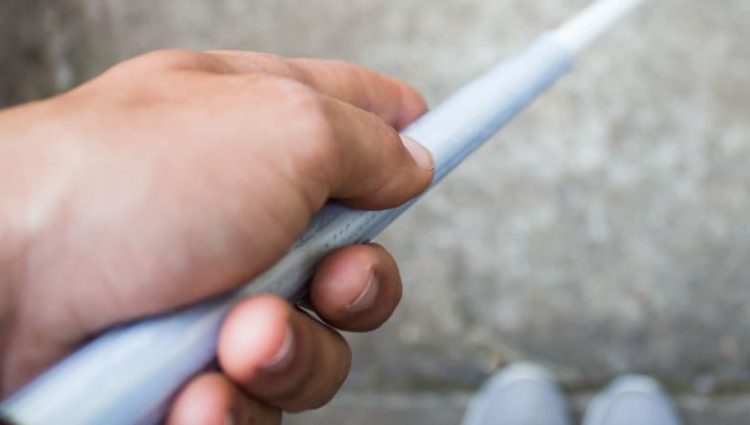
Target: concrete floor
{"points": [[605, 231]]}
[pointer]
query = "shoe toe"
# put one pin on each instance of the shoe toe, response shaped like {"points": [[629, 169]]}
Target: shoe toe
{"points": [[521, 394], [629, 400]]}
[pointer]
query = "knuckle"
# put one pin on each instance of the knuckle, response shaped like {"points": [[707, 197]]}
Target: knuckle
{"points": [[357, 77], [149, 76], [275, 63], [320, 149], [311, 112], [319, 124], [285, 89], [174, 59], [311, 143], [344, 66], [317, 144]]}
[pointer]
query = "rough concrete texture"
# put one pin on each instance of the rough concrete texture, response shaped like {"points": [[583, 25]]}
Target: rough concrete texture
{"points": [[604, 231]]}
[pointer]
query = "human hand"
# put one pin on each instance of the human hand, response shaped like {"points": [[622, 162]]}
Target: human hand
{"points": [[179, 175]]}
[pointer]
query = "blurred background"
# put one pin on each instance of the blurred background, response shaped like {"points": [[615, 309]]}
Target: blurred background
{"points": [[604, 231]]}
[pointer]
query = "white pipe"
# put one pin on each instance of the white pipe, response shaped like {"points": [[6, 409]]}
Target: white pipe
{"points": [[580, 32]]}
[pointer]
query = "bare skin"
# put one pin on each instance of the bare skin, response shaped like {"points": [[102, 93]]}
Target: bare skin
{"points": [[178, 175]]}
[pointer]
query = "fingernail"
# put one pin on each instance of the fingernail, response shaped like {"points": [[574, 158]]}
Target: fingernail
{"points": [[284, 356], [366, 299], [421, 155]]}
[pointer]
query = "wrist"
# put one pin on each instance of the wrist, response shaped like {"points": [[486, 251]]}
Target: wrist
{"points": [[14, 237], [23, 190]]}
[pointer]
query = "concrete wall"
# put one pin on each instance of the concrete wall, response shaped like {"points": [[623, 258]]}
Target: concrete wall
{"points": [[604, 231]]}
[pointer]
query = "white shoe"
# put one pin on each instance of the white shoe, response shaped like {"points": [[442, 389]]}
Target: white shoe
{"points": [[632, 400], [520, 394]]}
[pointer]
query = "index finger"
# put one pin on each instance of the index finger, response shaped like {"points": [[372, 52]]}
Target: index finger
{"points": [[394, 101]]}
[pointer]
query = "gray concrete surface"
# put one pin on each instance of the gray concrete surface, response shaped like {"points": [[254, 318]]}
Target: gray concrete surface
{"points": [[429, 409], [605, 231]]}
